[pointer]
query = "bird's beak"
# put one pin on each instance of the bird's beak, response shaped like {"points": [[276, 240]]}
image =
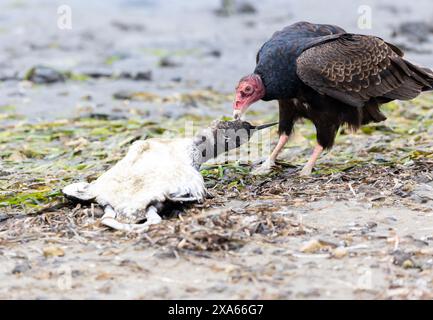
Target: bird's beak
{"points": [[237, 114], [264, 126], [239, 108]]}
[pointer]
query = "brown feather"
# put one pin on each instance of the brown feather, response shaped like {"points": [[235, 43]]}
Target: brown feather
{"points": [[356, 68]]}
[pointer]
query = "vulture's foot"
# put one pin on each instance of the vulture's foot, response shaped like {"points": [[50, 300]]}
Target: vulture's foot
{"points": [[306, 171], [265, 168], [109, 220]]}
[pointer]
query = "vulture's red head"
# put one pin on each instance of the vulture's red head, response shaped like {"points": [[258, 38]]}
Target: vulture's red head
{"points": [[249, 90]]}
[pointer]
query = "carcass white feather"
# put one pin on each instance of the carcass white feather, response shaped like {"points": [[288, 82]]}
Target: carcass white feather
{"points": [[152, 171]]}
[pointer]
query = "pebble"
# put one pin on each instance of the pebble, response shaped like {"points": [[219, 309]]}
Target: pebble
{"points": [[44, 75], [21, 268], [340, 252], [402, 259], [3, 217], [137, 76], [311, 246], [167, 62], [53, 252]]}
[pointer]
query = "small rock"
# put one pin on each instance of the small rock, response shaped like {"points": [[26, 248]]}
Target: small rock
{"points": [[408, 264], [98, 73], [105, 289], [104, 276], [370, 225], [134, 266], [214, 53], [257, 251], [261, 228], [4, 173], [417, 242], [391, 219], [239, 211], [143, 75], [340, 252], [424, 191], [76, 273], [310, 293], [331, 242], [126, 26], [381, 159], [123, 95], [167, 62], [87, 97], [104, 116], [218, 288], [53, 252], [21, 268], [136, 96], [278, 252], [3, 217], [137, 76], [44, 75], [311, 246], [403, 259], [231, 7], [166, 254]]}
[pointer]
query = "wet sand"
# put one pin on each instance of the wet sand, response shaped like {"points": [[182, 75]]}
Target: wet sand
{"points": [[128, 36]]}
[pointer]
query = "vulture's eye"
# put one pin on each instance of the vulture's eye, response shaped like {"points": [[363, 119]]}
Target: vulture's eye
{"points": [[248, 89]]}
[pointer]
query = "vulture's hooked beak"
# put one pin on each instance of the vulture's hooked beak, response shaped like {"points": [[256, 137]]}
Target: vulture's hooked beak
{"points": [[239, 109], [237, 113]]}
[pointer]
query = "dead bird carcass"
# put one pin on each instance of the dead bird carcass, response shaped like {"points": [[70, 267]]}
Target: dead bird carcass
{"points": [[155, 172]]}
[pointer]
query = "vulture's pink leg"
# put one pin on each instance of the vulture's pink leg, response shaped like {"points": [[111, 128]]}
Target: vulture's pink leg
{"points": [[280, 145], [306, 171], [266, 166]]}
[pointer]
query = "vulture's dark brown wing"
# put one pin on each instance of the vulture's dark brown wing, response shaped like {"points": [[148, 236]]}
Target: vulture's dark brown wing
{"points": [[357, 68]]}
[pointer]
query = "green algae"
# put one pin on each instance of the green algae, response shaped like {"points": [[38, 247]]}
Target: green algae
{"points": [[40, 158]]}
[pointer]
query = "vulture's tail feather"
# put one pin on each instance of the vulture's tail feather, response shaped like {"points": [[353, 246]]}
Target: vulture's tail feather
{"points": [[416, 79]]}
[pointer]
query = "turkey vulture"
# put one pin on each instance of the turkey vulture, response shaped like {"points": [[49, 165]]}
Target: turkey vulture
{"points": [[156, 173], [334, 78]]}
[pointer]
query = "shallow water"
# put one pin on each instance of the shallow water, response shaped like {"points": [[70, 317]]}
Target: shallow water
{"points": [[130, 35]]}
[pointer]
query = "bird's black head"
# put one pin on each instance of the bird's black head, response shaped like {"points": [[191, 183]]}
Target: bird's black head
{"points": [[223, 136]]}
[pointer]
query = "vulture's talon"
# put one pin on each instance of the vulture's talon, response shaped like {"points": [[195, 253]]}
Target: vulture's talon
{"points": [[305, 172], [264, 169]]}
